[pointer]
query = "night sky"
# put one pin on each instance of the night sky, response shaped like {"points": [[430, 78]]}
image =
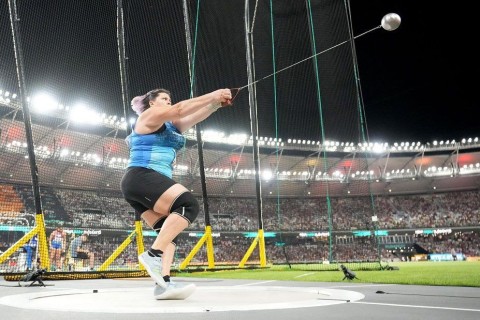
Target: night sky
{"points": [[418, 83]]}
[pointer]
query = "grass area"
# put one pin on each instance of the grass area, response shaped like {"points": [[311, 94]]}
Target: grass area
{"points": [[451, 273]]}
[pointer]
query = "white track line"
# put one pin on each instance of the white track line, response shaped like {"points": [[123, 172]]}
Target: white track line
{"points": [[304, 275], [365, 285], [254, 283], [415, 306]]}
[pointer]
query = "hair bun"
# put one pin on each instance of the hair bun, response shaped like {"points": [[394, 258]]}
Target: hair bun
{"points": [[138, 105]]}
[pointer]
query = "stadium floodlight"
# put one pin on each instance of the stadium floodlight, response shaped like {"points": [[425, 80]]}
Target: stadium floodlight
{"points": [[237, 138], [43, 103], [213, 136], [378, 148], [82, 114], [267, 175], [64, 152]]}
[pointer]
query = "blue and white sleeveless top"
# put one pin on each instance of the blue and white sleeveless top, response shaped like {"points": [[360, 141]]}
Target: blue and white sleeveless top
{"points": [[156, 150]]}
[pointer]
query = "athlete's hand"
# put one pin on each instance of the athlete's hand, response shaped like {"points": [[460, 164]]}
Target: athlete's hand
{"points": [[223, 96]]}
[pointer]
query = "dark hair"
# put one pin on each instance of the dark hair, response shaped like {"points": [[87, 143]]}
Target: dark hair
{"points": [[141, 103]]}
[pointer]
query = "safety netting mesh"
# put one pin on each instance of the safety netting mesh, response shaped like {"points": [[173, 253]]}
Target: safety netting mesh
{"points": [[310, 197]]}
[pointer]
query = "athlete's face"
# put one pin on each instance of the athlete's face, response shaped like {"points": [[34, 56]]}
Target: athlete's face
{"points": [[162, 100]]}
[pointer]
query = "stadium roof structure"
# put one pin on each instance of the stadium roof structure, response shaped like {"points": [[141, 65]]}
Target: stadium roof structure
{"points": [[70, 156], [419, 72]]}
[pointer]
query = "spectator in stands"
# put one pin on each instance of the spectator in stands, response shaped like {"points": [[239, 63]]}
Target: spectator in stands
{"points": [[57, 247], [78, 251], [454, 254], [147, 184]]}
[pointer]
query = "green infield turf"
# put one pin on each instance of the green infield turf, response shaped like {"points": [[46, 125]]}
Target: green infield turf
{"points": [[451, 273]]}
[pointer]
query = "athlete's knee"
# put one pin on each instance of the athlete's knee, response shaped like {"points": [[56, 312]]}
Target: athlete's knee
{"points": [[186, 206], [157, 226], [174, 241]]}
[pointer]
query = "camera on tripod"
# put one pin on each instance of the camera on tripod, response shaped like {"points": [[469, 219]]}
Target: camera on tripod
{"points": [[349, 274], [34, 276]]}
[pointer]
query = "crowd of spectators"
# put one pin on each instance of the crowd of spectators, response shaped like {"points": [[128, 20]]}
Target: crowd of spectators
{"points": [[81, 208], [231, 248], [232, 216]]}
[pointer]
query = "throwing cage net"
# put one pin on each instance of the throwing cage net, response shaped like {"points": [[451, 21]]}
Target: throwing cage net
{"points": [[283, 176]]}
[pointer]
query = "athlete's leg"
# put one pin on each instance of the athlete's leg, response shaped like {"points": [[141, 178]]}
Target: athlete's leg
{"points": [[155, 220], [147, 190], [59, 258], [91, 260], [183, 209], [54, 257]]}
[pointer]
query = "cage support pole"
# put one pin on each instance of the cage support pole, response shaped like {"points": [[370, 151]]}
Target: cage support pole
{"points": [[39, 218], [254, 127], [207, 237]]}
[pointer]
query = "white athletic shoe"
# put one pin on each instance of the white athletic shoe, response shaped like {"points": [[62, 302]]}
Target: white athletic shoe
{"points": [[173, 291], [153, 265]]}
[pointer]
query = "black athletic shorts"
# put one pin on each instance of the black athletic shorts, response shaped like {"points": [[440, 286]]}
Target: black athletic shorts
{"points": [[81, 255], [142, 187]]}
